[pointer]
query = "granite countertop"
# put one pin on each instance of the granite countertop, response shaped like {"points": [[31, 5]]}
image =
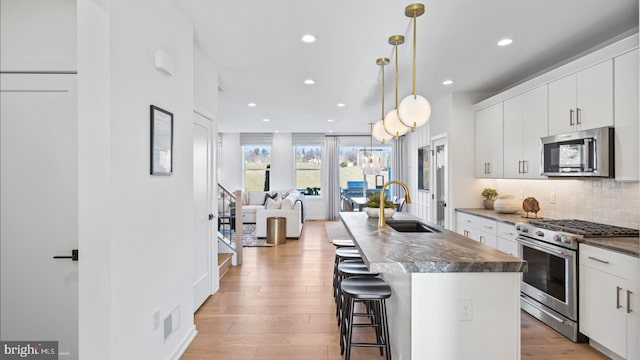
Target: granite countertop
{"points": [[387, 250], [623, 245]]}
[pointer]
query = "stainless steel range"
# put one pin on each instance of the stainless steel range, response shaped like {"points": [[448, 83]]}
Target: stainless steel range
{"points": [[549, 287]]}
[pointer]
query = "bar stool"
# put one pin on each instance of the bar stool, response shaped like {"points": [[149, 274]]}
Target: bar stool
{"points": [[373, 292], [342, 254], [339, 243], [348, 269]]}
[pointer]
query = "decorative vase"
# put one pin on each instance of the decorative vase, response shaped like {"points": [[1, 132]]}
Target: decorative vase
{"points": [[375, 212], [488, 204], [506, 204]]}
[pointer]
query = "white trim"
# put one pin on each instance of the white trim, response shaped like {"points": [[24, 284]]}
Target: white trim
{"points": [[611, 51], [191, 334], [203, 112]]}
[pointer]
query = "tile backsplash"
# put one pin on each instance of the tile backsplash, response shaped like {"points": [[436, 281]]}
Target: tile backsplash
{"points": [[599, 200]]}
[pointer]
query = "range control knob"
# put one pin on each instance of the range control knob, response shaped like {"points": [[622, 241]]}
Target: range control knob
{"points": [[518, 227], [557, 238], [539, 233], [524, 230], [566, 239]]}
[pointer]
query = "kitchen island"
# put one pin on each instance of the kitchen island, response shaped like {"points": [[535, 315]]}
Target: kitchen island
{"points": [[452, 298]]}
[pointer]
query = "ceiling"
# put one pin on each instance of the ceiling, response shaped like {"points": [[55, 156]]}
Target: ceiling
{"points": [[257, 48]]}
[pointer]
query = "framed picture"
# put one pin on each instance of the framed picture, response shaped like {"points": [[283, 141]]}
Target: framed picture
{"points": [[161, 141], [424, 157]]}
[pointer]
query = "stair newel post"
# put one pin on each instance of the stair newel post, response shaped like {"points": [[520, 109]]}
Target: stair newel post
{"points": [[238, 255]]}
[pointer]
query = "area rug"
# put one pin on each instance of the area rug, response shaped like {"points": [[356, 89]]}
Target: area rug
{"points": [[336, 230], [249, 238]]}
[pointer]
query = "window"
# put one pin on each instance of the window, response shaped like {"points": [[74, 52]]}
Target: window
{"points": [[257, 160], [308, 169], [353, 182]]}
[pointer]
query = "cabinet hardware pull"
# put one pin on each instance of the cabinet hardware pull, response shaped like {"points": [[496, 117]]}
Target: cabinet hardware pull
{"points": [[488, 227], [481, 238], [578, 111], [629, 301], [571, 117], [525, 166], [618, 288], [489, 165], [598, 260]]}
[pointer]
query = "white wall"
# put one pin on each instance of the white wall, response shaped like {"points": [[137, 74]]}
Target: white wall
{"points": [[42, 40], [205, 82], [94, 179], [152, 216], [282, 162], [231, 162]]}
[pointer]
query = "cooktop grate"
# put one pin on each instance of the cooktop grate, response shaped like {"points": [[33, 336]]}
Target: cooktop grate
{"points": [[587, 229]]}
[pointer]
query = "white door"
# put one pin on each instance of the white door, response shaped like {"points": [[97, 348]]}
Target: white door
{"points": [[39, 209], [205, 270], [439, 171]]}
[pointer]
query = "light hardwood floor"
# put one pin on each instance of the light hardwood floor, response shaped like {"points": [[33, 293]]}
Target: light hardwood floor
{"points": [[278, 305]]}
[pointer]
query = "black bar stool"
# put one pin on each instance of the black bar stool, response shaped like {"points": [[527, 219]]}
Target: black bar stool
{"points": [[373, 292], [348, 269], [342, 254]]}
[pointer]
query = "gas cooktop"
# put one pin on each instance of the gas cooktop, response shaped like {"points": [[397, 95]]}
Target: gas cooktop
{"points": [[585, 228]]}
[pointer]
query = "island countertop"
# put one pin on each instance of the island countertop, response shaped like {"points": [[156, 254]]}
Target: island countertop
{"points": [[386, 250]]}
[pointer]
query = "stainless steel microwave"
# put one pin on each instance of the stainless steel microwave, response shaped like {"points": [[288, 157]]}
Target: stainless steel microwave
{"points": [[580, 153]]}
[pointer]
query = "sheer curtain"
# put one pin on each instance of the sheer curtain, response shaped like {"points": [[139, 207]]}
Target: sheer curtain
{"points": [[399, 164], [333, 177]]}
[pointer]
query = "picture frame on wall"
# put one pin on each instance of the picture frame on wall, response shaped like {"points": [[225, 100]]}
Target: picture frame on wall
{"points": [[161, 141]]}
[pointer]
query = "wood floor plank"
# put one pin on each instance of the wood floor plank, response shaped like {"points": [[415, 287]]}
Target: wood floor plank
{"points": [[279, 305]]}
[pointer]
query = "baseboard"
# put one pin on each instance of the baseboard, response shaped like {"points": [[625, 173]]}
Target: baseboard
{"points": [[191, 334]]}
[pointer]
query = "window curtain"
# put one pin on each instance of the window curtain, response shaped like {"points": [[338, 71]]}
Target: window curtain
{"points": [[333, 177], [399, 164], [256, 139]]}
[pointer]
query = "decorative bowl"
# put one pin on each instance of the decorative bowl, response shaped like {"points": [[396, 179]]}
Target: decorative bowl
{"points": [[506, 204], [375, 212]]}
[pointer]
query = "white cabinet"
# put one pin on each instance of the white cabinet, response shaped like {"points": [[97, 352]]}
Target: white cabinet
{"points": [[525, 122], [507, 239], [477, 228], [583, 100], [608, 300], [489, 142], [626, 116]]}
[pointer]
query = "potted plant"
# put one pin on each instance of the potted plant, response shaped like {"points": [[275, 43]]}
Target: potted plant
{"points": [[489, 196], [373, 206]]}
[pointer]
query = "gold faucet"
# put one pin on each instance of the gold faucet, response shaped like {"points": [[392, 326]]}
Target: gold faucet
{"points": [[382, 221]]}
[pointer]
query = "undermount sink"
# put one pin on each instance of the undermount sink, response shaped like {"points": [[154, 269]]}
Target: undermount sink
{"points": [[410, 226]]}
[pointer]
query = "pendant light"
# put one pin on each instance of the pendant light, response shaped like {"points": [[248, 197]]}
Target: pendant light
{"points": [[374, 161], [414, 110], [377, 131], [392, 122]]}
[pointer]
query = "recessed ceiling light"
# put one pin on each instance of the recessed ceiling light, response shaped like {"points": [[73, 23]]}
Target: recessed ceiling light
{"points": [[251, 104], [330, 120], [505, 42], [308, 38], [340, 105], [330, 131], [447, 82], [276, 131], [309, 82], [266, 120]]}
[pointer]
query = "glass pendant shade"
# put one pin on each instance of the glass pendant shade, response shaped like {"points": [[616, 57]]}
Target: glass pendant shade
{"points": [[372, 161], [379, 133], [414, 111], [393, 125]]}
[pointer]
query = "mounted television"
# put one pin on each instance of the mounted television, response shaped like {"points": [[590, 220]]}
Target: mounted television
{"points": [[424, 157]]}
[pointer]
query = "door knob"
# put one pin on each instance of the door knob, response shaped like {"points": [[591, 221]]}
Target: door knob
{"points": [[73, 257], [211, 216]]}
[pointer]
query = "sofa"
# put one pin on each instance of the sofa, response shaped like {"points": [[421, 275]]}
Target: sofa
{"points": [[257, 206]]}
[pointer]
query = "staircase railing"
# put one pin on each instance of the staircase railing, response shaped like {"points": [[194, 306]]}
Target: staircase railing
{"points": [[231, 215]]}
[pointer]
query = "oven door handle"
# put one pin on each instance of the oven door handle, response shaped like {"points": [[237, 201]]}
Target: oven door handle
{"points": [[547, 250]]}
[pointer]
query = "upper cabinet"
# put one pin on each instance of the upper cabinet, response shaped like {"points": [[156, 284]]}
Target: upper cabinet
{"points": [[489, 142], [626, 121], [525, 122], [583, 100]]}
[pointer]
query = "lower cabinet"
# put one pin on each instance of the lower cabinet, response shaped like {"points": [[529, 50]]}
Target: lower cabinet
{"points": [[608, 300], [478, 228], [507, 239]]}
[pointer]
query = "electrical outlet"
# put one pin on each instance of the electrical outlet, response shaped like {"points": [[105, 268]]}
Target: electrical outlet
{"points": [[521, 195], [552, 198], [168, 326], [466, 310], [156, 320]]}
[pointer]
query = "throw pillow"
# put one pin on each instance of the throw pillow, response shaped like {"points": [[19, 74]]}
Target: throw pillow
{"points": [[268, 196], [273, 204], [287, 204]]}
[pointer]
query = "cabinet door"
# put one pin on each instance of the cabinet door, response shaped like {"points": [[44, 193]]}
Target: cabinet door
{"points": [[562, 105], [602, 317], [489, 141], [534, 126], [595, 96], [633, 318], [513, 138], [626, 116]]}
